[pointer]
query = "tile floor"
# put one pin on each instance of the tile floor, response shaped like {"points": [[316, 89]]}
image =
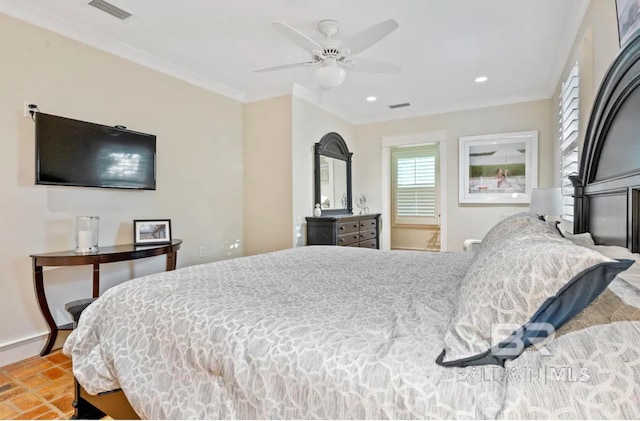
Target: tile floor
{"points": [[38, 388]]}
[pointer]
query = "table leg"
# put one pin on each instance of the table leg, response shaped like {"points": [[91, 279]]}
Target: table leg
{"points": [[96, 280], [172, 258], [44, 308]]}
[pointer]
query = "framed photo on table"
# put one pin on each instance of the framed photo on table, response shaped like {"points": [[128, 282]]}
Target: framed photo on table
{"points": [[498, 168], [151, 231], [628, 14]]}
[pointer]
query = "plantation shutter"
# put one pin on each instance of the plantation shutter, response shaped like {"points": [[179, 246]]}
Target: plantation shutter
{"points": [[416, 186], [569, 142]]}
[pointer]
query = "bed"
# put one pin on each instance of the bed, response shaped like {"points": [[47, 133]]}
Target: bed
{"points": [[380, 334]]}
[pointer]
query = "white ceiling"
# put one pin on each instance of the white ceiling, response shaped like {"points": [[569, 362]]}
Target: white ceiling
{"points": [[442, 45]]}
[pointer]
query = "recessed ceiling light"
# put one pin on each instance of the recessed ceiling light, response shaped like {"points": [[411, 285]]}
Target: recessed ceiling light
{"points": [[371, 98], [481, 79]]}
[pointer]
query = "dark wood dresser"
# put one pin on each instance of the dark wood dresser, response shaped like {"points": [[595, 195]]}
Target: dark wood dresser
{"points": [[344, 230]]}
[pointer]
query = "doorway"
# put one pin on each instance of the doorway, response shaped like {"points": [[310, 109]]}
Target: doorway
{"points": [[414, 192]]}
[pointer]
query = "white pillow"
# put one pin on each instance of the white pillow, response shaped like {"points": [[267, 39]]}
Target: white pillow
{"points": [[631, 275], [585, 239]]}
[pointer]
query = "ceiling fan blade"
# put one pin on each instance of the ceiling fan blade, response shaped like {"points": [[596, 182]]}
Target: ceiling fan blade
{"points": [[286, 66], [363, 65], [296, 36], [370, 36]]}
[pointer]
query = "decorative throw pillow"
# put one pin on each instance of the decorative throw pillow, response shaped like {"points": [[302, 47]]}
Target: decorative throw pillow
{"points": [[518, 225], [605, 309], [520, 279]]}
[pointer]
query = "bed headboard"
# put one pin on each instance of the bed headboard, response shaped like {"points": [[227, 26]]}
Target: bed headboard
{"points": [[607, 189]]}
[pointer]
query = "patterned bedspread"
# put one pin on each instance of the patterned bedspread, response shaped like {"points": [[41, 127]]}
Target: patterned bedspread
{"points": [[590, 374], [332, 333], [312, 332]]}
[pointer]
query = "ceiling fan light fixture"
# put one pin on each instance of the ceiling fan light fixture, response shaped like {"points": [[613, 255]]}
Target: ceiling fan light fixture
{"points": [[331, 51], [330, 76]]}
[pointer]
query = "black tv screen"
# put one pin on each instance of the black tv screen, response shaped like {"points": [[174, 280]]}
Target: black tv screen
{"points": [[77, 153]]}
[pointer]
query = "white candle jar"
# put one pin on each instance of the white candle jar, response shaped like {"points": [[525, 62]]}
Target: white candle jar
{"points": [[87, 234]]}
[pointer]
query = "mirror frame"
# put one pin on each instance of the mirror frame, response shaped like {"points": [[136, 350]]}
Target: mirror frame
{"points": [[332, 145]]}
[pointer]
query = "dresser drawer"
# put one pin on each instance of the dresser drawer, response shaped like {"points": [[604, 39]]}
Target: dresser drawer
{"points": [[368, 224], [372, 244], [367, 235], [348, 227], [347, 239]]}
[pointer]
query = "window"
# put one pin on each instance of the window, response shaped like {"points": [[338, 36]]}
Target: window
{"points": [[569, 142], [415, 185]]}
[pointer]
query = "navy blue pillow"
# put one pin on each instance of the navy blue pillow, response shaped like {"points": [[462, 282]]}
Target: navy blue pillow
{"points": [[572, 298]]}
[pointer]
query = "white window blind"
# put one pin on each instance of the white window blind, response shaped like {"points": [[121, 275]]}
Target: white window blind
{"points": [[568, 140], [415, 192]]}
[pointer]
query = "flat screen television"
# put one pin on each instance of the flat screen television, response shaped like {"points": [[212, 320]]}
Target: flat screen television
{"points": [[77, 153]]}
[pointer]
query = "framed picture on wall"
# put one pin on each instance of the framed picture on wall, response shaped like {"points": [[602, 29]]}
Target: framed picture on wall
{"points": [[628, 12], [498, 168]]}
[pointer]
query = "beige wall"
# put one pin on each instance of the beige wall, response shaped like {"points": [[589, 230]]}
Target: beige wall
{"points": [[268, 175], [464, 221], [310, 123], [199, 173], [279, 134]]}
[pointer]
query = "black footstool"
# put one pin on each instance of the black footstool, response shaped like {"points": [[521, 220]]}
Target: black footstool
{"points": [[77, 307]]}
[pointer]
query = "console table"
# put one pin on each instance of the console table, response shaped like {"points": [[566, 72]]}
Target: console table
{"points": [[104, 255]]}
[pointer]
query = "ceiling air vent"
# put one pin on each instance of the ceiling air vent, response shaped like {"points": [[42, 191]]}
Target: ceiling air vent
{"points": [[404, 104], [110, 9]]}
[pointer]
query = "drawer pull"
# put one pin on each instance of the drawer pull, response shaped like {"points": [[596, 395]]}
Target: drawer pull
{"points": [[341, 228]]}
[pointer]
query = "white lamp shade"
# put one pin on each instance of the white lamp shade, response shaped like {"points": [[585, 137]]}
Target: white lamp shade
{"points": [[546, 201], [330, 76]]}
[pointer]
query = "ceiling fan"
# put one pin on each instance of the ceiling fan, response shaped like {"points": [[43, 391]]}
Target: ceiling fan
{"points": [[334, 55]]}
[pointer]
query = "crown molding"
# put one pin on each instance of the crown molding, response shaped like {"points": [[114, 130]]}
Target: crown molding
{"points": [[38, 17]]}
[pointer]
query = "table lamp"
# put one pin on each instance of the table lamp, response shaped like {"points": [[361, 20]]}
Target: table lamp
{"points": [[546, 202]]}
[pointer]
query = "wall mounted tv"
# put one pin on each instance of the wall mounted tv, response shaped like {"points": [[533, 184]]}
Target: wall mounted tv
{"points": [[77, 153]]}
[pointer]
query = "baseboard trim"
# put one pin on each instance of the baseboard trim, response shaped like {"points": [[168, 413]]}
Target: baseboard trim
{"points": [[23, 341], [414, 249], [22, 348]]}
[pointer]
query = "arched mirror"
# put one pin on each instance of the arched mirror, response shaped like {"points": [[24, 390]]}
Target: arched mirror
{"points": [[333, 175]]}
